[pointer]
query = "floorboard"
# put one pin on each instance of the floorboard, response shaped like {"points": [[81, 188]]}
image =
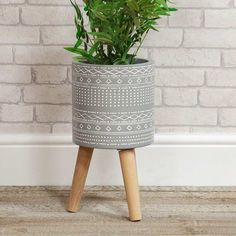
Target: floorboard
{"points": [[166, 211]]}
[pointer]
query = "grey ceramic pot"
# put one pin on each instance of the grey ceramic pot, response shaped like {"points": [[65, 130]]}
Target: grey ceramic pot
{"points": [[113, 105]]}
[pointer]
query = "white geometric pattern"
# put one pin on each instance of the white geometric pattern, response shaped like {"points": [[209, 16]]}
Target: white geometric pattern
{"points": [[113, 105], [87, 116]]}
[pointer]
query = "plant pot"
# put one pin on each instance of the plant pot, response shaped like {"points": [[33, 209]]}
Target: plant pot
{"points": [[113, 105]]}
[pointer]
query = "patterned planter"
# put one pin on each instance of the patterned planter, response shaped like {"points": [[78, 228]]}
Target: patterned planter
{"points": [[113, 105]]}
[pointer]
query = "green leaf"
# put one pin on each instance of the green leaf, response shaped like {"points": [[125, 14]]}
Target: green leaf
{"points": [[78, 43], [94, 48], [115, 27], [81, 52], [101, 36], [133, 5]]}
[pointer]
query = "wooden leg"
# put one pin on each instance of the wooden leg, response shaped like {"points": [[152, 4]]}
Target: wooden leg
{"points": [[129, 171], [80, 174]]}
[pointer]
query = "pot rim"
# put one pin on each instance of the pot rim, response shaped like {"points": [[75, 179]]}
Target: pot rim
{"points": [[140, 62]]}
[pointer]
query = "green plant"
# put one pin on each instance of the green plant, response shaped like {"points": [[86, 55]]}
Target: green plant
{"points": [[115, 27]]}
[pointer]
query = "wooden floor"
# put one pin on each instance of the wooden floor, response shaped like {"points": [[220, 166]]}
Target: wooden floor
{"points": [[166, 211]]}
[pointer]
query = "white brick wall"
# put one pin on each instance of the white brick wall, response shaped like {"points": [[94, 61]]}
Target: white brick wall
{"points": [[19, 35], [221, 78], [50, 2], [159, 40], [227, 117], [220, 18], [186, 18], [186, 57], [49, 74], [49, 15], [210, 38], [16, 113], [15, 74], [58, 35], [210, 97], [185, 116], [9, 94], [12, 1], [180, 97], [194, 54], [49, 94], [6, 54], [229, 58], [203, 3], [9, 15], [41, 55], [53, 113], [179, 77]]}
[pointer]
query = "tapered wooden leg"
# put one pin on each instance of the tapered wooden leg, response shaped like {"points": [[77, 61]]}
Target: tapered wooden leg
{"points": [[80, 174], [129, 171]]}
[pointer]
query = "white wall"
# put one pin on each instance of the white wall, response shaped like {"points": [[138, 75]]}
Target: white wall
{"points": [[196, 160]]}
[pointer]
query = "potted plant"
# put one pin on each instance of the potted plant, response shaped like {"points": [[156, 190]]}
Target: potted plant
{"points": [[113, 90]]}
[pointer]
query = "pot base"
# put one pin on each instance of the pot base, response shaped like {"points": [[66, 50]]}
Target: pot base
{"points": [[113, 142]]}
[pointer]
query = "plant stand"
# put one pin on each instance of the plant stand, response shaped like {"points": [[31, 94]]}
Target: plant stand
{"points": [[129, 171]]}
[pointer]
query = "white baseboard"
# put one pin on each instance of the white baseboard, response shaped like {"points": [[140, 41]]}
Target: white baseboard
{"points": [[174, 160]]}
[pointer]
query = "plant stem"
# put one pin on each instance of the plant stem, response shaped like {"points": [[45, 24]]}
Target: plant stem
{"points": [[135, 54]]}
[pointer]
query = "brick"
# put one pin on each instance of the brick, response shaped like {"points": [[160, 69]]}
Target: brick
{"points": [[142, 53], [195, 129], [185, 116], [54, 2], [49, 74], [6, 55], [225, 38], [56, 15], [221, 78], [19, 35], [9, 15], [186, 18], [51, 2], [164, 38], [220, 18], [16, 113], [214, 97], [56, 35], [9, 94], [162, 22], [55, 94], [15, 74], [171, 129], [42, 55], [12, 1], [229, 58], [202, 3], [32, 128], [202, 129], [53, 113], [62, 128], [179, 77], [158, 97], [180, 97], [186, 57], [227, 117]]}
